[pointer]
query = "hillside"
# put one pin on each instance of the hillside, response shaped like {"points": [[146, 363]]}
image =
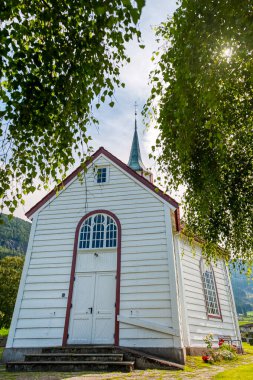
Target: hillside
{"points": [[14, 235], [243, 292]]}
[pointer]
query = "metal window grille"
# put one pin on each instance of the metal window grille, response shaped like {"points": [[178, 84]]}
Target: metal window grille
{"points": [[98, 231], [210, 292], [85, 234], [111, 233]]}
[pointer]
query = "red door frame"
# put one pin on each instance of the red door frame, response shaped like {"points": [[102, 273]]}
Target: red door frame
{"points": [[73, 268]]}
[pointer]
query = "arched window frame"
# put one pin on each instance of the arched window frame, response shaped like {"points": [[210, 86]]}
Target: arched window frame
{"points": [[98, 231], [72, 275], [210, 293]]}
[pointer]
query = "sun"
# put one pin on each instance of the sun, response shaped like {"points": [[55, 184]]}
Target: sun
{"points": [[227, 53]]}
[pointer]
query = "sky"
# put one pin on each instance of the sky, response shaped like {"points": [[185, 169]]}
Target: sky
{"points": [[116, 125]]}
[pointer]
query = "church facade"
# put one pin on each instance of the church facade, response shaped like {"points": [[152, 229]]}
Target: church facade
{"points": [[106, 264]]}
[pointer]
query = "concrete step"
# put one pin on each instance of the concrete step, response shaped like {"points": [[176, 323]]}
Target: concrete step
{"points": [[70, 366], [87, 349], [59, 357]]}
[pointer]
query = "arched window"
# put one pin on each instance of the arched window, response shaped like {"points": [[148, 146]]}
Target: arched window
{"points": [[210, 290], [98, 231]]}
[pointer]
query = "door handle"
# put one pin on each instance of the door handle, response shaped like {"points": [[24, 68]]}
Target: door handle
{"points": [[90, 309]]}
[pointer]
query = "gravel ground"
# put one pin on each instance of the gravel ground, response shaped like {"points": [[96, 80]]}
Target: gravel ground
{"points": [[206, 373]]}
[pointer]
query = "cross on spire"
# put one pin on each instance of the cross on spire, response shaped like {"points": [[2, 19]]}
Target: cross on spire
{"points": [[135, 114], [135, 108]]}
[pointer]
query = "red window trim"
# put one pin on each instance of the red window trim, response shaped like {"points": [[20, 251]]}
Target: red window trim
{"points": [[210, 316], [214, 316], [73, 268]]}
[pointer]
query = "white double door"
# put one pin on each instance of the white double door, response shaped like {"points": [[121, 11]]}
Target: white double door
{"points": [[92, 319]]}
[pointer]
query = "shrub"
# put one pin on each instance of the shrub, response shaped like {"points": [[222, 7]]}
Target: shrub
{"points": [[251, 341], [224, 351], [209, 340], [228, 347], [228, 355]]}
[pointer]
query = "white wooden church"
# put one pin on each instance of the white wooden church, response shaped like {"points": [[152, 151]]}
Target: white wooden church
{"points": [[106, 264]]}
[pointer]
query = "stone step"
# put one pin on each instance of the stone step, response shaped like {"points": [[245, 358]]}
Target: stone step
{"points": [[87, 349], [58, 357], [70, 366]]}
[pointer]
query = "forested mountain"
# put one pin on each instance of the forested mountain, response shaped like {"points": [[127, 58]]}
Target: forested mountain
{"points": [[243, 292], [14, 234]]}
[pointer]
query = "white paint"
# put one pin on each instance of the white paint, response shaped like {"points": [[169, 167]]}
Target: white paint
{"points": [[160, 292], [21, 285], [173, 279], [182, 295], [199, 324], [99, 161], [93, 312], [148, 325]]}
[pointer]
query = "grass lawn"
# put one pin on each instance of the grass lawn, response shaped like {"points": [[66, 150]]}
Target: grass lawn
{"points": [[246, 321], [243, 372], [4, 332], [248, 349]]}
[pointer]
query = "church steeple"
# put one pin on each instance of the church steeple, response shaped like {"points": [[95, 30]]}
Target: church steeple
{"points": [[135, 161]]}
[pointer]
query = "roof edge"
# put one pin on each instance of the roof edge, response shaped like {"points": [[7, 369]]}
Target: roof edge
{"points": [[118, 162]]}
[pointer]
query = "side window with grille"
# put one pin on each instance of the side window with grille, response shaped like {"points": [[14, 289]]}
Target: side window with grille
{"points": [[210, 290]]}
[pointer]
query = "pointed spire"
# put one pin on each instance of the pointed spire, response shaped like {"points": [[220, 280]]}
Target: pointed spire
{"points": [[135, 161]]}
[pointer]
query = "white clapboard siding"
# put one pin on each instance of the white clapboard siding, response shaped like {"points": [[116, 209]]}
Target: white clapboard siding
{"points": [[43, 313], [144, 282], [142, 257], [199, 324], [46, 303], [143, 296], [162, 321], [148, 342], [145, 263], [48, 286], [47, 279], [143, 269], [42, 332], [45, 294], [40, 322], [148, 314], [145, 289], [146, 275], [43, 261], [131, 289], [150, 304], [35, 342], [140, 333]]}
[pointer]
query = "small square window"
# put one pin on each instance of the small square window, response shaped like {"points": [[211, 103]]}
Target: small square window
{"points": [[101, 175]]}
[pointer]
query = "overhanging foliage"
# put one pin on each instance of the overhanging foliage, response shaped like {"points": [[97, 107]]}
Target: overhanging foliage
{"points": [[203, 86], [58, 58]]}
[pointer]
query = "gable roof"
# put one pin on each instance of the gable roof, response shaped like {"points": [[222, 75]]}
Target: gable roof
{"points": [[118, 162]]}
